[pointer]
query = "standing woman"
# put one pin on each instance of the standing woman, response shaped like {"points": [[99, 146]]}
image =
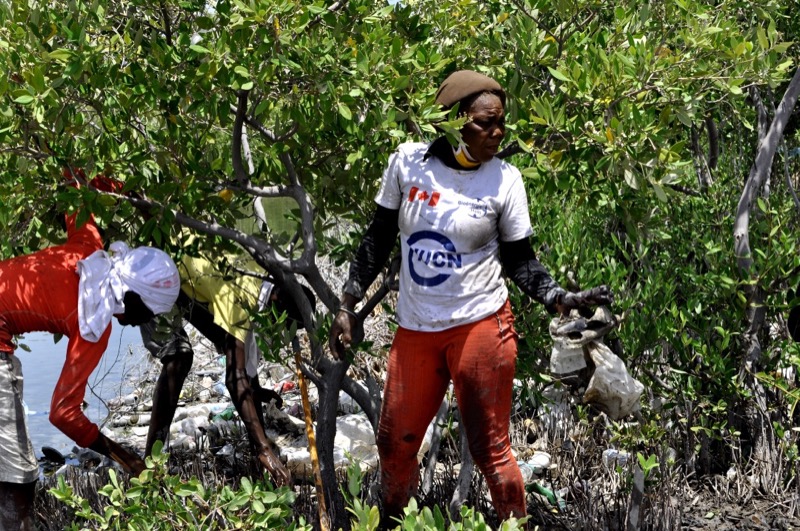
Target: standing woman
{"points": [[463, 220]]}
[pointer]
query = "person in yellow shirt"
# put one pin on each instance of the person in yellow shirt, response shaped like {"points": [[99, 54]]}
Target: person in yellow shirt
{"points": [[219, 306]]}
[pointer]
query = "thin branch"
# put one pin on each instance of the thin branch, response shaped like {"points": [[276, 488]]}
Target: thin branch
{"points": [[167, 23], [241, 113], [26, 152], [255, 246], [253, 122], [331, 9], [684, 190]]}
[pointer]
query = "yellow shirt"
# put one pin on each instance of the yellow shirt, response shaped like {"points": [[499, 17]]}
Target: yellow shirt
{"points": [[230, 298]]}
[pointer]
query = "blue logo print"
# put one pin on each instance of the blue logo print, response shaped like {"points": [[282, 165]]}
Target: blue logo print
{"points": [[446, 259]]}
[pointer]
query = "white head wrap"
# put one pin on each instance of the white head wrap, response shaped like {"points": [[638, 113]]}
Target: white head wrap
{"points": [[105, 277]]}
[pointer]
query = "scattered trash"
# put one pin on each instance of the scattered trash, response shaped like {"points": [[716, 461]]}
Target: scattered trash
{"points": [[552, 498], [570, 334], [580, 358], [534, 467], [613, 458], [348, 404], [194, 426], [126, 400], [612, 389], [285, 387], [220, 389], [227, 414], [53, 455]]}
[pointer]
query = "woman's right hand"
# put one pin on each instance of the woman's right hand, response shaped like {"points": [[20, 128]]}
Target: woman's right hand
{"points": [[341, 335]]}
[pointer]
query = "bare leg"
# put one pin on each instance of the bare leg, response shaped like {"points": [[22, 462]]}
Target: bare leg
{"points": [[167, 392], [242, 394]]}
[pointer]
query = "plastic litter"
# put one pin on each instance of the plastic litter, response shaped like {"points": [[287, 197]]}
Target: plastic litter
{"points": [[220, 389], [580, 358], [53, 455], [613, 458], [612, 389], [570, 334], [534, 467], [554, 499], [226, 414]]}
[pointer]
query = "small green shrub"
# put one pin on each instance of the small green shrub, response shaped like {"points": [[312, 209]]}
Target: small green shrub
{"points": [[367, 517], [157, 500]]}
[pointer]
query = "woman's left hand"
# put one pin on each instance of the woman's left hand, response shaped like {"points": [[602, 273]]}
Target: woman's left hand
{"points": [[599, 296]]}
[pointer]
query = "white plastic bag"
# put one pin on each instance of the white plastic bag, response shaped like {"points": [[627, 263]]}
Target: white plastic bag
{"points": [[570, 336], [611, 388]]}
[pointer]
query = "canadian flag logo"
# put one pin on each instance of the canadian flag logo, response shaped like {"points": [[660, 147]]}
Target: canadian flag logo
{"points": [[415, 194]]}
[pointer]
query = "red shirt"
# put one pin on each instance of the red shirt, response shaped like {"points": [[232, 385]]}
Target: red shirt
{"points": [[39, 292]]}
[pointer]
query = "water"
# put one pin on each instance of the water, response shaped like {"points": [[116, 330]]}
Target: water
{"points": [[118, 370]]}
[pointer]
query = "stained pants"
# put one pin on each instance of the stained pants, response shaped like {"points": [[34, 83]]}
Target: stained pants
{"points": [[480, 359]]}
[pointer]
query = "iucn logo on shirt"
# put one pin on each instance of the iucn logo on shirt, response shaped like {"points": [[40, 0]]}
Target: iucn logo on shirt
{"points": [[446, 259]]}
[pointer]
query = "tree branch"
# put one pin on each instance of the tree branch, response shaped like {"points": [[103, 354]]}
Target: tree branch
{"points": [[758, 172], [238, 126], [167, 23], [756, 311]]}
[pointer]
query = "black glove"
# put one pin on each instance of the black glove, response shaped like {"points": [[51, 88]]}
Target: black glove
{"points": [[599, 296]]}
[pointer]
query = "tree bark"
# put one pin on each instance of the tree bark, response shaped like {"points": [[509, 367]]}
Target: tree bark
{"points": [[757, 419], [700, 163]]}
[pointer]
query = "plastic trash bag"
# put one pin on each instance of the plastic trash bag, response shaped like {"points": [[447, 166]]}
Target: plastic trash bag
{"points": [[580, 358], [611, 389], [569, 361]]}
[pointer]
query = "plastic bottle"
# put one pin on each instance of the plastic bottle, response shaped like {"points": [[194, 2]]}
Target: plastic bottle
{"points": [[528, 472], [227, 414], [553, 498]]}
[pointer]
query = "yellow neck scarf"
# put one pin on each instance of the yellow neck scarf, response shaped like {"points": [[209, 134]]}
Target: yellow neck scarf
{"points": [[463, 157]]}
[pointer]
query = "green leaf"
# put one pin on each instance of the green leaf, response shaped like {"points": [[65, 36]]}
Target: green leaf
{"points": [[659, 191], [630, 179], [344, 111], [61, 55], [781, 47], [762, 38], [24, 100], [199, 49], [557, 74]]}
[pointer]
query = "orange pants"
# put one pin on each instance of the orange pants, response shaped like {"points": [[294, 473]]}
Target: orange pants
{"points": [[480, 358]]}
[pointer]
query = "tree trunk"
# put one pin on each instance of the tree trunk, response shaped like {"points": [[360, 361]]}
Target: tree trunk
{"points": [[757, 419], [326, 433]]}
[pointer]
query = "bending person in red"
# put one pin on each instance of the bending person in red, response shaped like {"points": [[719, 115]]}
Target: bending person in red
{"points": [[72, 289]]}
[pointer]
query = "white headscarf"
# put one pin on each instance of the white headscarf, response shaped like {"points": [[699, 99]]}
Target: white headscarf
{"points": [[105, 277]]}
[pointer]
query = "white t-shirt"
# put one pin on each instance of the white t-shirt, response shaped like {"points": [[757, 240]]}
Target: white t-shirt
{"points": [[451, 222]]}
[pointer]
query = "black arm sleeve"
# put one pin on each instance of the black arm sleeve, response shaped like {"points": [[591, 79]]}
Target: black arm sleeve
{"points": [[374, 251], [521, 266]]}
